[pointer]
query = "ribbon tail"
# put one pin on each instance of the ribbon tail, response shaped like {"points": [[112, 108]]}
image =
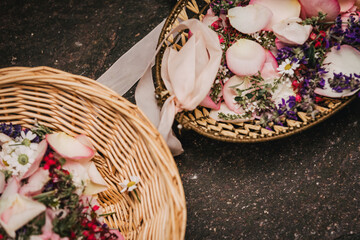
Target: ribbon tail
{"points": [[128, 69], [145, 97], [167, 114]]}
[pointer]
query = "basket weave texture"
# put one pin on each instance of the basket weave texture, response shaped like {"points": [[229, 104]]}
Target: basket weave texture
{"points": [[199, 120], [127, 144]]}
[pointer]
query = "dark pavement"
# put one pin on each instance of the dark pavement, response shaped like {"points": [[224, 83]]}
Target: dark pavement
{"points": [[303, 187]]}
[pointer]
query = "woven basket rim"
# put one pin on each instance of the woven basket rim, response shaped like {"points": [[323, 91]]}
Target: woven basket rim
{"points": [[164, 166], [180, 9]]}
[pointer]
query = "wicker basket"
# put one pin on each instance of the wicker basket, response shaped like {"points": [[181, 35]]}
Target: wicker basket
{"points": [[199, 120], [126, 142]]}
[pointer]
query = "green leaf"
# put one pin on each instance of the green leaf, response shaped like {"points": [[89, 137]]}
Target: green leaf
{"points": [[249, 95]]}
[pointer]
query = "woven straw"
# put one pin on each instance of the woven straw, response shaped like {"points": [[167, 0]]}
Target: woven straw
{"points": [[199, 120], [127, 144]]}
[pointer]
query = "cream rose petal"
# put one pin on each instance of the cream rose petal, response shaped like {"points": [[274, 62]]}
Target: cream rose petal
{"points": [[249, 19], [36, 182], [281, 9], [245, 57], [290, 32], [2, 182], [347, 61], [17, 210]]}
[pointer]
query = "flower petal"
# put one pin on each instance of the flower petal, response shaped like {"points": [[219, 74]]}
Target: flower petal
{"points": [[85, 140], [22, 209], [117, 233], [249, 19], [347, 61], [69, 147], [123, 190], [313, 7], [41, 149], [11, 188], [210, 17], [280, 9], [4, 138], [209, 103], [214, 114], [245, 57], [229, 93], [270, 67], [132, 188], [289, 31], [135, 179], [36, 182], [345, 5], [97, 183], [2, 182]]}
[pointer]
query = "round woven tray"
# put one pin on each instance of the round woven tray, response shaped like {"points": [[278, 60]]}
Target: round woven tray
{"points": [[127, 144], [199, 120]]}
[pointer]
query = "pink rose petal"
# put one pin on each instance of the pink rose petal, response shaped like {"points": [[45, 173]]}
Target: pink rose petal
{"points": [[210, 17], [245, 57], [36, 182], [270, 67], [313, 7], [229, 92], [347, 61], [346, 5], [17, 210], [85, 140], [249, 19], [11, 188], [97, 183], [2, 182], [69, 147], [225, 110], [209, 103], [281, 9], [42, 147]]}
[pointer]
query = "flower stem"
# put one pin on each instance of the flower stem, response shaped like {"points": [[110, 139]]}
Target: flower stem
{"points": [[137, 196], [107, 214], [45, 194]]}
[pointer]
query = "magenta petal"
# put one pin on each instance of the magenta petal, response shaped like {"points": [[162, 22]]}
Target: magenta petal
{"points": [[40, 154], [209, 103], [313, 7]]}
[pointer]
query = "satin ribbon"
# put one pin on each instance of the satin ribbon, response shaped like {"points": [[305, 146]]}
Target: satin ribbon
{"points": [[188, 75]]}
